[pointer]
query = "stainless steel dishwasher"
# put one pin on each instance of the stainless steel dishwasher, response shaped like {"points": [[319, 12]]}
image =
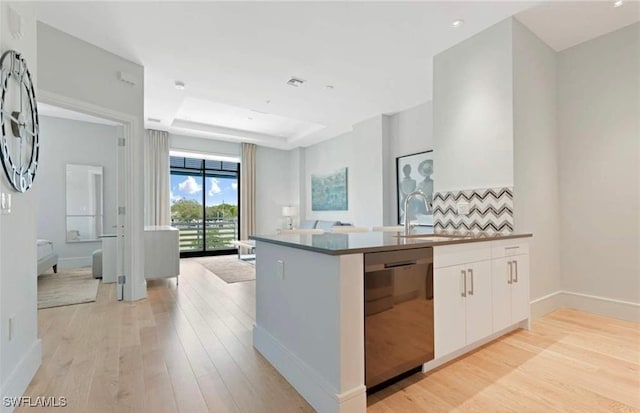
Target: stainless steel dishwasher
{"points": [[398, 308]]}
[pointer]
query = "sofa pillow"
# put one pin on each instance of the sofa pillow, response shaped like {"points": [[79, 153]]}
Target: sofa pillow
{"points": [[326, 225], [308, 224]]}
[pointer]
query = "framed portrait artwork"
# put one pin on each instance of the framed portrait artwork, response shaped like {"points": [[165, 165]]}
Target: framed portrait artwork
{"points": [[414, 172]]}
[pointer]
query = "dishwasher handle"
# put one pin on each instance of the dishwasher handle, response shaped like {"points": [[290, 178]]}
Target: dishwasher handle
{"points": [[398, 264]]}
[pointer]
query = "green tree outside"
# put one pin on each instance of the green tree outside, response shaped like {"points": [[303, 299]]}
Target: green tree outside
{"points": [[221, 224]]}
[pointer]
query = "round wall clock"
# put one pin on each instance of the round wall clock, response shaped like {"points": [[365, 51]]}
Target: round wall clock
{"points": [[18, 121]]}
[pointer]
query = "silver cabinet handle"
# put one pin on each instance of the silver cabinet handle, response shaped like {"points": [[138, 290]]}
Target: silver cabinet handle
{"points": [[515, 263], [510, 279], [471, 279], [464, 287]]}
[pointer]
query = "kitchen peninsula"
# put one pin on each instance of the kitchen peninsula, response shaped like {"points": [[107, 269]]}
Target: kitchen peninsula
{"points": [[312, 300]]}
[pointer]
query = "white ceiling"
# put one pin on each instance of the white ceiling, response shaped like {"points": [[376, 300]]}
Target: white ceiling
{"points": [[236, 57], [565, 24]]}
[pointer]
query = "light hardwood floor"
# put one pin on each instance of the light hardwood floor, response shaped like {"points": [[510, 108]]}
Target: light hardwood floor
{"points": [[188, 349]]}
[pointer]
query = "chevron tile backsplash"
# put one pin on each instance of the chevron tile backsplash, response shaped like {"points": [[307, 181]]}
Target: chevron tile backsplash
{"points": [[490, 210]]}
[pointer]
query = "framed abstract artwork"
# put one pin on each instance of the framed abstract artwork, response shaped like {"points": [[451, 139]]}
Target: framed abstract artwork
{"points": [[329, 192], [415, 172]]}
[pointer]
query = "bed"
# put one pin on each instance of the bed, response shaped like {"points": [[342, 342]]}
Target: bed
{"points": [[47, 257]]}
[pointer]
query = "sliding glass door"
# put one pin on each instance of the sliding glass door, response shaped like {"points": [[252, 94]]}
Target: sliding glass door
{"points": [[221, 211], [204, 205]]}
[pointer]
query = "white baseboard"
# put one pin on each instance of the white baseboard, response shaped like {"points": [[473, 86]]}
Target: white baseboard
{"points": [[546, 304], [19, 379], [315, 389], [624, 310], [75, 262]]}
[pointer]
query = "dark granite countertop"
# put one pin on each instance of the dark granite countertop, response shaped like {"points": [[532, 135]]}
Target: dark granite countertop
{"points": [[357, 243]]}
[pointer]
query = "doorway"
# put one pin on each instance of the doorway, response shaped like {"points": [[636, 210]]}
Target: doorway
{"points": [[80, 232]]}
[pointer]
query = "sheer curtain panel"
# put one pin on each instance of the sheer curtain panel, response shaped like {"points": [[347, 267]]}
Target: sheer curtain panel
{"points": [[156, 171], [247, 191]]}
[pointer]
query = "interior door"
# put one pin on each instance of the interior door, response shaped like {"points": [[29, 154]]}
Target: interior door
{"points": [[120, 220]]}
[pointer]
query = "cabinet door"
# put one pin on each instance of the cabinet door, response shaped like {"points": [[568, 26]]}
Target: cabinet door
{"points": [[520, 289], [479, 310], [449, 309], [502, 282]]}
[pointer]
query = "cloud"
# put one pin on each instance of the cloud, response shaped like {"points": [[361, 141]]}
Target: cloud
{"points": [[214, 188], [190, 186], [234, 185], [174, 198]]}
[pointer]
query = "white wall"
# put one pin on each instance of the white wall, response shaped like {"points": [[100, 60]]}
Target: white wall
{"points": [[274, 189], [411, 131], [204, 145], [360, 150], [536, 184], [598, 115], [78, 72], [473, 112], [62, 142], [20, 357]]}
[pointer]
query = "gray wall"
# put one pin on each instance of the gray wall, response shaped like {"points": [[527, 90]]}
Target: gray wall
{"points": [[598, 115], [20, 357], [360, 150], [411, 131], [65, 142]]}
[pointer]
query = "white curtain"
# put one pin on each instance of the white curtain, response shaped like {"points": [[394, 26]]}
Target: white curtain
{"points": [[247, 191], [156, 178]]}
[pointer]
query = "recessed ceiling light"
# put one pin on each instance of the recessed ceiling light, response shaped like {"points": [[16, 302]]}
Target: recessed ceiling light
{"points": [[618, 3], [250, 118], [329, 87], [457, 23], [179, 85]]}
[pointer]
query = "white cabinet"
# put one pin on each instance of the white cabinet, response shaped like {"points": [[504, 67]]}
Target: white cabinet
{"points": [[450, 310], [479, 323], [510, 290], [462, 297], [479, 289]]}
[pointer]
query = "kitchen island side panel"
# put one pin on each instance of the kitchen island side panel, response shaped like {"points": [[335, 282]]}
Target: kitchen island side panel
{"points": [[310, 323]]}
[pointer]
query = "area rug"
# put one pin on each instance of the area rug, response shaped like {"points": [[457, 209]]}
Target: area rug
{"points": [[68, 286], [228, 268]]}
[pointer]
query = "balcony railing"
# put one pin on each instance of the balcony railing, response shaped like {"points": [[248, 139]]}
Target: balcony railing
{"points": [[219, 234]]}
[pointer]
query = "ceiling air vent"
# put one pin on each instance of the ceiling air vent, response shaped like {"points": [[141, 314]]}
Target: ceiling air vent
{"points": [[154, 120], [295, 82]]}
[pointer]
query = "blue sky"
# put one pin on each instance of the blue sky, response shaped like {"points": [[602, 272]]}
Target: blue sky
{"points": [[217, 189]]}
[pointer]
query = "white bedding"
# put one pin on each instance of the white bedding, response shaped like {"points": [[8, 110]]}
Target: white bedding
{"points": [[45, 247]]}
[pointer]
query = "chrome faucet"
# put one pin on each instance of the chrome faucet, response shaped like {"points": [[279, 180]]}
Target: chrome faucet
{"points": [[407, 220]]}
